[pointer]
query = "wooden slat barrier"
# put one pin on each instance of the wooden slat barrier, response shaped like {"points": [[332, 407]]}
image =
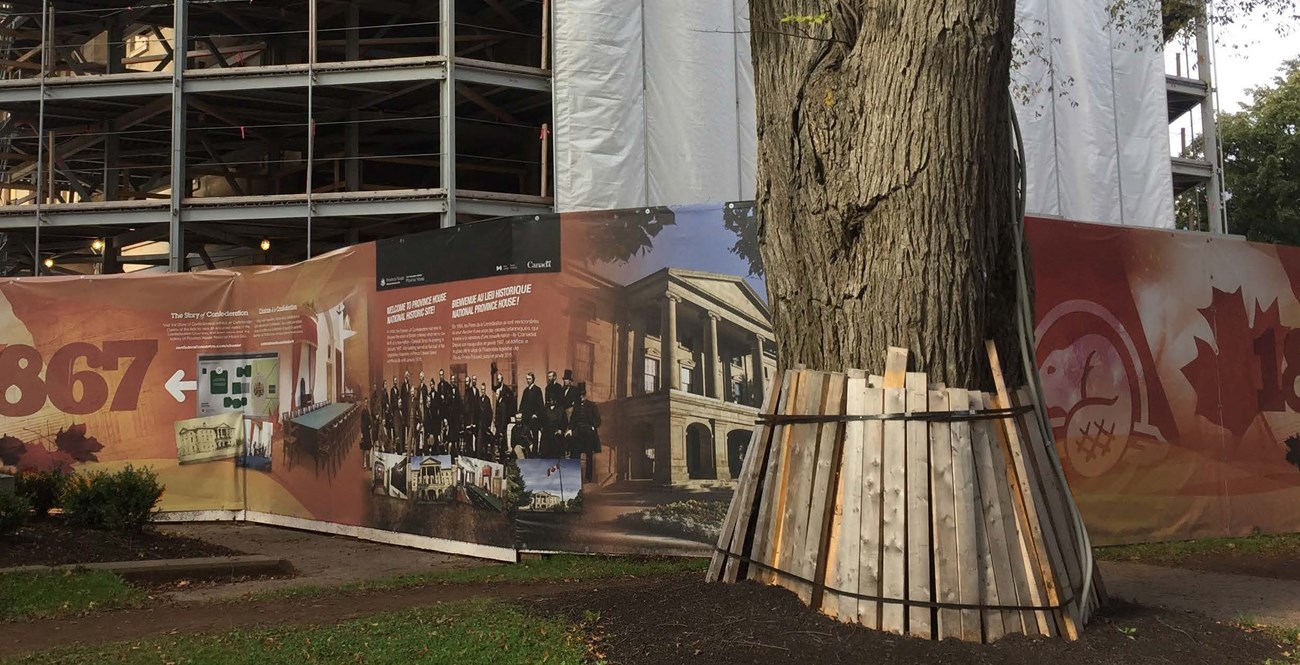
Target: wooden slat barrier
{"points": [[906, 506]]}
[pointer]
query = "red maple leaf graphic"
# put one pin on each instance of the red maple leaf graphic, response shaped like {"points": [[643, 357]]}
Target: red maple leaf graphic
{"points": [[74, 442], [1227, 381]]}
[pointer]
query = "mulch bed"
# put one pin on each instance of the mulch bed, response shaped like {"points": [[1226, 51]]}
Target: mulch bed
{"points": [[680, 619], [53, 542]]}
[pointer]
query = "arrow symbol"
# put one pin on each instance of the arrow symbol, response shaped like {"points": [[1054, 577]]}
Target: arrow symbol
{"points": [[178, 386]]}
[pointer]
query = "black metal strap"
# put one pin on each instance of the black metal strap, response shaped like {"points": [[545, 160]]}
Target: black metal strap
{"points": [[897, 601], [924, 416]]}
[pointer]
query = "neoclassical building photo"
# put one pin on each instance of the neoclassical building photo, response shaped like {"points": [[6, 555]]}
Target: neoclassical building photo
{"points": [[678, 362]]}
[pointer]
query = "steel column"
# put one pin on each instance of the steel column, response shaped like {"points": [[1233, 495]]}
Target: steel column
{"points": [[179, 183], [447, 108], [1210, 130]]}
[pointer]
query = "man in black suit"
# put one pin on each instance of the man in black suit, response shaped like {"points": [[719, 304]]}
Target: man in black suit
{"points": [[532, 407], [470, 421], [454, 412], [395, 415], [507, 408], [404, 413], [553, 436], [386, 413], [484, 437], [443, 405]]}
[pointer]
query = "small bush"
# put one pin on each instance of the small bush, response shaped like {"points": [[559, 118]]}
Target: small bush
{"points": [[692, 519], [122, 501], [14, 510], [42, 489]]}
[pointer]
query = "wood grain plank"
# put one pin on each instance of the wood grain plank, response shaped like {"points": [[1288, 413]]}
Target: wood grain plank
{"points": [[752, 477], [947, 582], [1007, 584], [1041, 546], [1059, 526], [843, 559], [776, 477], [972, 547], [920, 574], [822, 541], [870, 551], [894, 514], [792, 529]]}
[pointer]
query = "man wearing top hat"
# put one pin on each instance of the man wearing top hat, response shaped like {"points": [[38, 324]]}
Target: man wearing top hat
{"points": [[568, 400]]}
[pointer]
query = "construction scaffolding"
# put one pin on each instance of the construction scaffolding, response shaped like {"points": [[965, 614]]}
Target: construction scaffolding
{"points": [[210, 129]]}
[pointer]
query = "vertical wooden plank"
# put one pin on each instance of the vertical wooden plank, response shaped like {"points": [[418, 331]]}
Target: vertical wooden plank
{"points": [[848, 527], [944, 521], [752, 477], [1007, 584], [1030, 507], [871, 550], [1020, 538], [875, 381], [792, 528], [895, 367], [1059, 520], [894, 505], [842, 554], [776, 477], [920, 622], [822, 541], [973, 565]]}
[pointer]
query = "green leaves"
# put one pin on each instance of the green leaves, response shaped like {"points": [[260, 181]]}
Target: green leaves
{"points": [[1261, 159]]}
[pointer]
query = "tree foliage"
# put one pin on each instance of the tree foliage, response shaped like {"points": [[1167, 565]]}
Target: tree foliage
{"points": [[1261, 153], [741, 218]]}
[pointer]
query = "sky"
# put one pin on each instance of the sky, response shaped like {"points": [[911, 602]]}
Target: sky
{"points": [[1247, 55], [697, 241], [536, 480]]}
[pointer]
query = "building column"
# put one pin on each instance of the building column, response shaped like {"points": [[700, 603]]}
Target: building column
{"points": [[713, 365], [759, 394], [673, 464], [721, 462], [668, 345]]}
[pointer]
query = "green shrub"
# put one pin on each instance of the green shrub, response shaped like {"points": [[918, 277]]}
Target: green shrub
{"points": [[14, 510], [691, 519], [42, 489], [122, 501]]}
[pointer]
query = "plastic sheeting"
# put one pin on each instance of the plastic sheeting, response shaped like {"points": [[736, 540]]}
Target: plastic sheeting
{"points": [[654, 105], [1096, 117]]}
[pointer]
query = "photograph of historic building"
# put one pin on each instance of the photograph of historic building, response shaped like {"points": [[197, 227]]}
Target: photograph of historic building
{"points": [[679, 360], [209, 438]]}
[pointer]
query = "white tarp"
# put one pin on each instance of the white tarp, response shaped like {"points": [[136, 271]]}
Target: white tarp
{"points": [[654, 105]]}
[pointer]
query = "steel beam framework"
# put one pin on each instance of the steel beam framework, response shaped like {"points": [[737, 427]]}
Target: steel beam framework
{"points": [[212, 124]]}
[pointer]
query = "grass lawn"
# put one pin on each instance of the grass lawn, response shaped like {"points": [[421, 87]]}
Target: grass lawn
{"points": [[49, 594], [1176, 552], [551, 568], [465, 633]]}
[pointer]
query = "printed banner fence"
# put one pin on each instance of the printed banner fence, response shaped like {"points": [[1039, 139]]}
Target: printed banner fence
{"points": [[588, 382]]}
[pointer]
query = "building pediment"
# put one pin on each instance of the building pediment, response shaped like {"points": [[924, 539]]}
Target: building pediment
{"points": [[725, 291]]}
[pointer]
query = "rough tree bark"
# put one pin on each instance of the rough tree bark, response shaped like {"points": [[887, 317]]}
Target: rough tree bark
{"points": [[885, 186]]}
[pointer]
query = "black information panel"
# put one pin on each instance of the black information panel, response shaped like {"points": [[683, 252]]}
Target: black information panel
{"points": [[486, 249]]}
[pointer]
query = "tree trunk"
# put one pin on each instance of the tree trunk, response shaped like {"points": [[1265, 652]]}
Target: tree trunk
{"points": [[885, 188]]}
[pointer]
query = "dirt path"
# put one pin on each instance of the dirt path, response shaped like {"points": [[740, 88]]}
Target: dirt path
{"points": [[187, 618], [1219, 596], [319, 559]]}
